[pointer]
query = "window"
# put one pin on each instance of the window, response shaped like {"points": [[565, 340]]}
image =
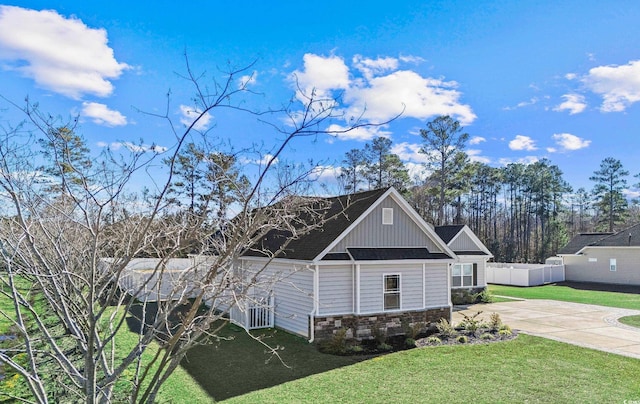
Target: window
{"points": [[387, 215], [392, 292], [613, 266], [462, 275]]}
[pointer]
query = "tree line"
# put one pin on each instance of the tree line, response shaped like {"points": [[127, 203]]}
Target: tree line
{"points": [[522, 212]]}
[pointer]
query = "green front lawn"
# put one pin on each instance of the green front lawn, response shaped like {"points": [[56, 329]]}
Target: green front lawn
{"points": [[633, 321], [570, 294], [527, 369]]}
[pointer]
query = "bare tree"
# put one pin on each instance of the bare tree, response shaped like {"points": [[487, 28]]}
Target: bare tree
{"points": [[67, 256]]}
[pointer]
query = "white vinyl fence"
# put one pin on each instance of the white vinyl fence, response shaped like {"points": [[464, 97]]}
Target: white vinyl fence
{"points": [[523, 274]]}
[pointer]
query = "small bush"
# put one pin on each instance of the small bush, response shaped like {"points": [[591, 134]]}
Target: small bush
{"points": [[379, 333], [433, 340], [445, 328], [471, 323], [384, 347], [410, 342], [505, 333], [355, 349], [484, 297], [504, 327], [412, 331], [487, 337], [337, 345], [462, 339], [495, 321]]}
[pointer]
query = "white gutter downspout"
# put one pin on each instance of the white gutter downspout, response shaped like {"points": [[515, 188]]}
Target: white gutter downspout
{"points": [[316, 293]]}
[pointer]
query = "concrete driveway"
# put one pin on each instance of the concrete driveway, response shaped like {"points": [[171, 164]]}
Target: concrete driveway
{"points": [[585, 325]]}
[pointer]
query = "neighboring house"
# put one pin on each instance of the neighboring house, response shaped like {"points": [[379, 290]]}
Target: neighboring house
{"points": [[468, 274], [603, 257]]}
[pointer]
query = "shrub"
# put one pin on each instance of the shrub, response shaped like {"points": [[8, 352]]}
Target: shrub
{"points": [[412, 331], [337, 345], [384, 347], [487, 336], [433, 340], [495, 321], [379, 333], [355, 349], [410, 342], [445, 328], [484, 297], [462, 339], [471, 323], [504, 327], [505, 333]]}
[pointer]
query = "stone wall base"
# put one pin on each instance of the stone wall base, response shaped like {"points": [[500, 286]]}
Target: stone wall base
{"points": [[363, 326]]}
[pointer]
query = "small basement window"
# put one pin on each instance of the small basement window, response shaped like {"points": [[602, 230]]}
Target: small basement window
{"points": [[387, 215], [391, 292], [613, 266]]}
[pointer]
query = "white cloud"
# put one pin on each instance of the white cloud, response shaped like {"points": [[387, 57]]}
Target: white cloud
{"points": [[569, 142], [374, 67], [523, 160], [248, 79], [385, 97], [522, 104], [552, 150], [363, 133], [570, 76], [619, 86], [321, 74], [378, 90], [325, 173], [574, 103], [190, 114], [409, 152], [475, 155], [522, 142], [476, 140], [417, 171], [261, 161], [60, 54], [102, 115], [136, 148]]}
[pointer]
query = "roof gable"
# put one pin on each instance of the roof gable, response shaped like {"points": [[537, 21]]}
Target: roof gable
{"points": [[580, 241], [345, 212], [462, 240]]}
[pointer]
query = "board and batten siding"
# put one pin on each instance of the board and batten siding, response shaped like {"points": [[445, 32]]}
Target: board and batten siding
{"points": [[436, 283], [335, 289], [370, 232], [371, 286], [464, 243], [593, 265], [293, 296]]}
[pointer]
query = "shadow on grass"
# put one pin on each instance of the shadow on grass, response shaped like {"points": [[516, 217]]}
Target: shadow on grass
{"points": [[601, 287], [237, 364], [231, 368]]}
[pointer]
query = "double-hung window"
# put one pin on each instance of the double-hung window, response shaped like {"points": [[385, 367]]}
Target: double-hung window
{"points": [[391, 292], [462, 275], [613, 265]]}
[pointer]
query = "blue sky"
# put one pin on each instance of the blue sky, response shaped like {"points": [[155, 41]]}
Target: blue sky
{"points": [[528, 79]]}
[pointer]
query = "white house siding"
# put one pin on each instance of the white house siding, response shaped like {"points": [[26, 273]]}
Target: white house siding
{"points": [[436, 283], [481, 279], [335, 289], [370, 232], [464, 243], [293, 295], [371, 286], [583, 268]]}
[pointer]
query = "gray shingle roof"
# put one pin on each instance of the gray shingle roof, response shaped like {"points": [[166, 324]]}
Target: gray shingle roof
{"points": [[408, 253], [448, 232], [582, 240], [343, 210]]}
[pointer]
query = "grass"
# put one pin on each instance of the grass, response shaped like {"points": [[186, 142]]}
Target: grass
{"points": [[527, 369], [571, 293], [633, 321], [230, 368]]}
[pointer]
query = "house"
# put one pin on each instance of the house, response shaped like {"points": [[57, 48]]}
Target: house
{"points": [[375, 264], [603, 257], [468, 274]]}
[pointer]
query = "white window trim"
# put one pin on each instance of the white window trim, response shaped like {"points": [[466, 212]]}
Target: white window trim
{"points": [[387, 216], [385, 292], [461, 276], [613, 265]]}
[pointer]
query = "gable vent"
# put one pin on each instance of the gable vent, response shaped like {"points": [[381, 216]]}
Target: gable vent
{"points": [[387, 215]]}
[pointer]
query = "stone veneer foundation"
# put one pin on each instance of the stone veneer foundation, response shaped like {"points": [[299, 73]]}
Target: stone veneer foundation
{"points": [[360, 326]]}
